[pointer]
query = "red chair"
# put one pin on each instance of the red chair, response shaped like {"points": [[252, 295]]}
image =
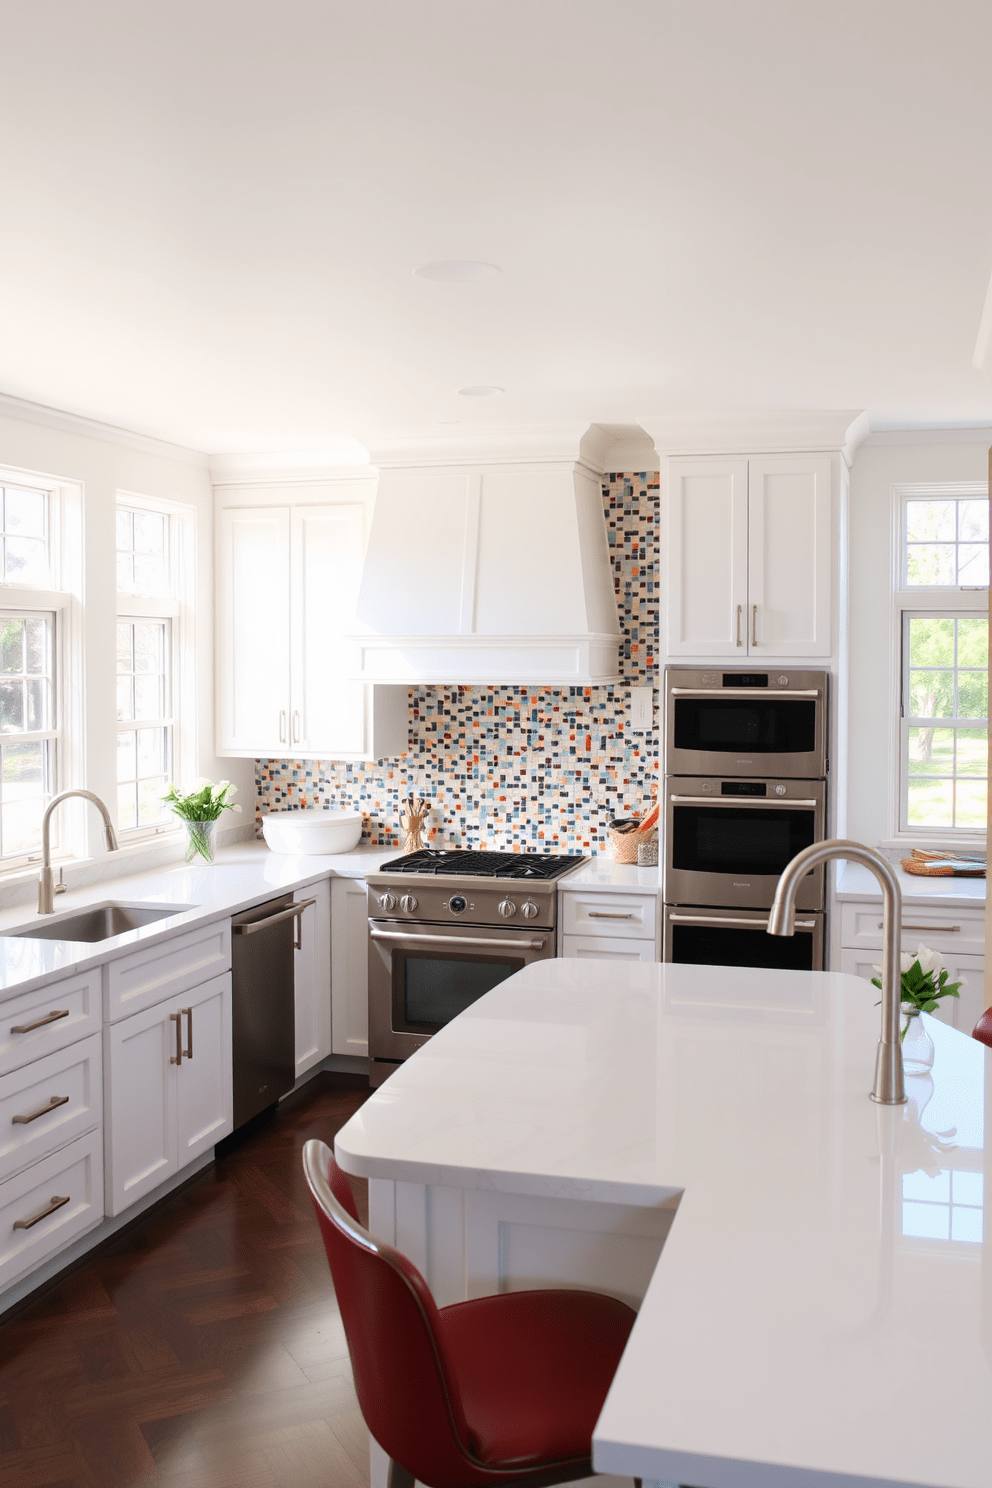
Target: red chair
{"points": [[501, 1390], [982, 1030]]}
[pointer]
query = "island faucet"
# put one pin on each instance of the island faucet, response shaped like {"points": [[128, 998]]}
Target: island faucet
{"points": [[47, 888], [890, 1087]]}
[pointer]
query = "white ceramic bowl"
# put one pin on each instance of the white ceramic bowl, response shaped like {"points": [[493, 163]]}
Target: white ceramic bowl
{"points": [[312, 831]]}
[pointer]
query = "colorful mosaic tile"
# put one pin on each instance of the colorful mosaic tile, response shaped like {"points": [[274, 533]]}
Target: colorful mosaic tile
{"points": [[516, 768]]}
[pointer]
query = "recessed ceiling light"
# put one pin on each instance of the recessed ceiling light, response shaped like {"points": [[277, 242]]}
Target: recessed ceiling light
{"points": [[479, 392], [453, 270]]}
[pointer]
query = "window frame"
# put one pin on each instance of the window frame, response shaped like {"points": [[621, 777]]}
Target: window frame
{"points": [[177, 612], [960, 601]]}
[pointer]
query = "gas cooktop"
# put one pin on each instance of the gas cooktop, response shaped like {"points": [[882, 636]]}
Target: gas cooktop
{"points": [[435, 861]]}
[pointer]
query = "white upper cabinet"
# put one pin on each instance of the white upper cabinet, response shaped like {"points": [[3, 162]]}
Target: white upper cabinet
{"points": [[749, 556], [287, 582]]}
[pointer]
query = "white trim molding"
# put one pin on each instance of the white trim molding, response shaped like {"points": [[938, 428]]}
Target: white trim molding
{"points": [[90, 428], [758, 433]]}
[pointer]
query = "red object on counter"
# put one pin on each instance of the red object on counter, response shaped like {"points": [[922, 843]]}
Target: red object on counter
{"points": [[982, 1030]]}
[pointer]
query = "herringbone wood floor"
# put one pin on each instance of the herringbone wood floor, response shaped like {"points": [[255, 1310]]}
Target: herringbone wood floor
{"points": [[202, 1346]]}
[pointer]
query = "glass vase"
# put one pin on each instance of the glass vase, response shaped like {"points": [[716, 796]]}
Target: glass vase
{"points": [[917, 1046], [200, 841]]}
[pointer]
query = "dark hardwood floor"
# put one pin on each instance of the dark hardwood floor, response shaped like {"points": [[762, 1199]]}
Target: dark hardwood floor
{"points": [[201, 1347]]}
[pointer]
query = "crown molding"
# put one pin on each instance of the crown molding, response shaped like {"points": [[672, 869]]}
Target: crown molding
{"points": [[89, 428], [349, 460], [498, 445], [759, 433], [948, 434]]}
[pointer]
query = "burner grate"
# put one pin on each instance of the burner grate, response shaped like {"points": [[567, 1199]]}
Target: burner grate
{"points": [[484, 864]]}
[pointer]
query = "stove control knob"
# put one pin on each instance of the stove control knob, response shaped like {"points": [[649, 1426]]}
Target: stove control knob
{"points": [[528, 910], [780, 790], [387, 901], [456, 904], [507, 908], [409, 903]]}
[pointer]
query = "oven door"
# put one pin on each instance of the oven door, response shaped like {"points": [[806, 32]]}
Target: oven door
{"points": [[730, 850], [699, 937], [422, 976], [748, 730]]}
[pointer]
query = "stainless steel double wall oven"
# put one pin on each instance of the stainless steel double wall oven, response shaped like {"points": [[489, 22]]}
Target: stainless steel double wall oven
{"points": [[745, 790]]}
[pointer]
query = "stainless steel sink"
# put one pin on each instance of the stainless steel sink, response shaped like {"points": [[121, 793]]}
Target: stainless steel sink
{"points": [[99, 922]]}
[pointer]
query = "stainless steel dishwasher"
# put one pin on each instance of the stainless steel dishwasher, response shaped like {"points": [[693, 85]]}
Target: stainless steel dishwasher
{"points": [[263, 1015]]}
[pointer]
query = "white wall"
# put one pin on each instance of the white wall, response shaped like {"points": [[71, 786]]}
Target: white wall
{"points": [[104, 467], [881, 463]]}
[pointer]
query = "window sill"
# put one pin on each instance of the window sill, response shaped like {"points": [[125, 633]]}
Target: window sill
{"points": [[902, 845]]}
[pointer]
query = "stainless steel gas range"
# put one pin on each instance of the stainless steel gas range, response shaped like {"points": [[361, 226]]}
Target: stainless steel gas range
{"points": [[446, 927]]}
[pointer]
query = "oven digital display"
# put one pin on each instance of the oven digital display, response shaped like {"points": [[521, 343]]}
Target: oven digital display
{"points": [[745, 679], [743, 788]]}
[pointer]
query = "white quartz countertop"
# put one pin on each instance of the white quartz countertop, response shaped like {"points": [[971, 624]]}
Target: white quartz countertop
{"points": [[602, 872], [822, 1309], [241, 876], [856, 882]]}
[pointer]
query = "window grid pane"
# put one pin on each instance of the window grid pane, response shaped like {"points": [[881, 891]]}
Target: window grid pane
{"points": [[25, 549], [945, 752], [144, 722], [946, 542], [28, 739], [143, 553]]}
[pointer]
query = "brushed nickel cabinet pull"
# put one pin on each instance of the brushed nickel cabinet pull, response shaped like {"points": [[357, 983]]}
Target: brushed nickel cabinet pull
{"points": [[189, 1031], [294, 910], [54, 1203], [604, 914], [949, 928], [296, 726], [177, 1058], [739, 607], [754, 625], [40, 1022], [50, 1105], [282, 726]]}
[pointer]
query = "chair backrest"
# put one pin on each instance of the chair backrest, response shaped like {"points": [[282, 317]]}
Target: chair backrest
{"points": [[982, 1030], [403, 1377]]}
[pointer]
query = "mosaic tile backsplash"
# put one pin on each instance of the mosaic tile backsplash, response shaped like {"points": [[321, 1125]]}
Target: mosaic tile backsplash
{"points": [[516, 768]]}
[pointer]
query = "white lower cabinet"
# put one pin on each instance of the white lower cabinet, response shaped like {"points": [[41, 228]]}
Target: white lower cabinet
{"points": [[597, 924], [49, 1204], [45, 1104], [961, 1012], [349, 967], [607, 948], [958, 935], [168, 1091], [312, 978]]}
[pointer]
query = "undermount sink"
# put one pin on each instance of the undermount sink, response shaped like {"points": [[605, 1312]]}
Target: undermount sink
{"points": [[99, 922]]}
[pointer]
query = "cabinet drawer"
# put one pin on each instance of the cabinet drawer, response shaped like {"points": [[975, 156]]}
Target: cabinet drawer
{"points": [[73, 1174], [961, 1012], [39, 1022], [607, 948], [961, 931], [617, 915], [165, 969], [50, 1102]]}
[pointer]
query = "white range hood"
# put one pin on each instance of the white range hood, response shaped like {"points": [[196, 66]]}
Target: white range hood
{"points": [[494, 570]]}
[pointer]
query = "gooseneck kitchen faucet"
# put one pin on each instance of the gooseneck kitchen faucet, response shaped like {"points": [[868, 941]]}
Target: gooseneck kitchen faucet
{"points": [[46, 884], [890, 1087]]}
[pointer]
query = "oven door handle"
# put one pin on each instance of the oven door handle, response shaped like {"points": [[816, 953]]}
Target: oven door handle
{"points": [[457, 940], [737, 801], [728, 920], [748, 692]]}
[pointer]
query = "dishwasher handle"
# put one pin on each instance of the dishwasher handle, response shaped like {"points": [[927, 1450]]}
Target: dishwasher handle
{"points": [[295, 911]]}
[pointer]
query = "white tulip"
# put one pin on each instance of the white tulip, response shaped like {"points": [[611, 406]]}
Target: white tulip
{"points": [[929, 961]]}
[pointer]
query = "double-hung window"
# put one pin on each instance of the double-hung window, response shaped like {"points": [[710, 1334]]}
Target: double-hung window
{"points": [[942, 615], [152, 671]]}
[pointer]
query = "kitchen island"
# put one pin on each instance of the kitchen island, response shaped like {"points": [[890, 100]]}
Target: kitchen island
{"points": [[821, 1310]]}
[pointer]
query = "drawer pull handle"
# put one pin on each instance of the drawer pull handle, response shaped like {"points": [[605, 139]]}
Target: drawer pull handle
{"points": [[54, 1203], [177, 1018], [605, 914], [949, 928], [295, 911], [40, 1022], [189, 1031], [50, 1105]]}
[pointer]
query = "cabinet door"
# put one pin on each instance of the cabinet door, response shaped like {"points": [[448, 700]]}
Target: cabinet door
{"points": [[140, 1104], [349, 967], [253, 657], [204, 1103], [328, 709], [607, 948], [707, 557], [963, 1011], [789, 555], [313, 979]]}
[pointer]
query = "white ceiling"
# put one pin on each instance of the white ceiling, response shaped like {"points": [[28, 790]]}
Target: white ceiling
{"points": [[212, 210]]}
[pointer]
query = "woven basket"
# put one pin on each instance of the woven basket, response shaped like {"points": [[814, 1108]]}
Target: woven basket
{"points": [[625, 844]]}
